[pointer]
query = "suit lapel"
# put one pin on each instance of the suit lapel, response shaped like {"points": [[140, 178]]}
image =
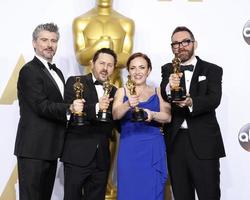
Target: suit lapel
{"points": [[59, 73], [44, 69], [197, 72], [91, 88], [183, 82]]}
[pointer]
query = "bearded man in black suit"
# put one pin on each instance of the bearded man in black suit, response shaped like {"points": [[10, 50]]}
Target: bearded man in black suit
{"points": [[86, 153], [42, 124], [193, 137]]}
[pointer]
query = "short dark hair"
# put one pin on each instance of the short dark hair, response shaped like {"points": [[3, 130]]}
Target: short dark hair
{"points": [[107, 51], [183, 28], [142, 55], [51, 27]]}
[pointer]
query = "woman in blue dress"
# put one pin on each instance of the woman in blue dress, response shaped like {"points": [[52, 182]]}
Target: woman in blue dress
{"points": [[141, 163]]}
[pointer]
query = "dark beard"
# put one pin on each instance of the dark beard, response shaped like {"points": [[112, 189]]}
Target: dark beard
{"points": [[185, 55]]}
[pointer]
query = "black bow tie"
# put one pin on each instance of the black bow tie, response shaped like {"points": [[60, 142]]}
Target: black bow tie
{"points": [[187, 67], [98, 82], [52, 66]]}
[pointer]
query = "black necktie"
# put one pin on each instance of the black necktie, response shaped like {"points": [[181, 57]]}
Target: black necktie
{"points": [[187, 67], [52, 66], [98, 82]]}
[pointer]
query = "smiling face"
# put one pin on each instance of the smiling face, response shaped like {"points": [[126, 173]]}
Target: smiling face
{"points": [[139, 70], [103, 66], [186, 51], [46, 45]]}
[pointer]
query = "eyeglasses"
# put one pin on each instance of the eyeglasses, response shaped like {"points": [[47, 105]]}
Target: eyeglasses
{"points": [[184, 43]]}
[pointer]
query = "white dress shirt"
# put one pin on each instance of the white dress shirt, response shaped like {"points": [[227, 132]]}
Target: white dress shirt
{"points": [[100, 92], [188, 77]]}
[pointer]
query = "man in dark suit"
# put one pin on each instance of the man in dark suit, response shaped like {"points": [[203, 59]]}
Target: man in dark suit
{"points": [[41, 128], [193, 137], [86, 153]]}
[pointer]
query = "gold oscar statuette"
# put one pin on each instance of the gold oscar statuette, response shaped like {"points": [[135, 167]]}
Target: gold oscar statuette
{"points": [[79, 118], [177, 93], [138, 114], [105, 115]]}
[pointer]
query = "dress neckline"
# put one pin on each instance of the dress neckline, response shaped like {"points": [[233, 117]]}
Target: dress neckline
{"points": [[149, 99]]}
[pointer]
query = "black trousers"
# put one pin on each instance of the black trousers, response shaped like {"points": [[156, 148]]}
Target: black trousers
{"points": [[84, 183], [189, 174], [36, 178]]}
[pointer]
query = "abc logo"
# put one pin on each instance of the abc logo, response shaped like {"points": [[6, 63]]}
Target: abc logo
{"points": [[244, 137], [246, 32]]}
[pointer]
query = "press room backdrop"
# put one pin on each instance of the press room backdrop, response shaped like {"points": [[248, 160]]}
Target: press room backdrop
{"points": [[220, 27]]}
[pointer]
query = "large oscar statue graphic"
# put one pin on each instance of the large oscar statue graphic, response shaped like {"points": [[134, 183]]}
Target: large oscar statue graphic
{"points": [[103, 27]]}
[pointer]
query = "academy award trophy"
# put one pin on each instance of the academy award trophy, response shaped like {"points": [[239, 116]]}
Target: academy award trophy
{"points": [[79, 118], [138, 114], [105, 115], [177, 93]]}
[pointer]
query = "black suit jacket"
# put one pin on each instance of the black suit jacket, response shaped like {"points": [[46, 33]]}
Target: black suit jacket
{"points": [[205, 91], [84, 142], [41, 127]]}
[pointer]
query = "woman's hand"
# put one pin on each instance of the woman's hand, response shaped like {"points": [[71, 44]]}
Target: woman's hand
{"points": [[150, 115], [133, 100]]}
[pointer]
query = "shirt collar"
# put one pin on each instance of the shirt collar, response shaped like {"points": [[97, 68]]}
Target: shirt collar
{"points": [[93, 77], [191, 61], [45, 62]]}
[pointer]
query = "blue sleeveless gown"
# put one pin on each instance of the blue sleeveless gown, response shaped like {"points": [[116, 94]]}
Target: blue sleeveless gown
{"points": [[141, 162]]}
